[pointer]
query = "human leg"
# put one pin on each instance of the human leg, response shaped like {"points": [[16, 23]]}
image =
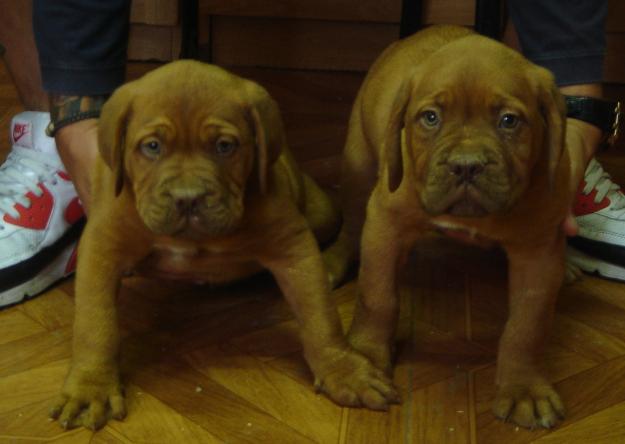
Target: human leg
{"points": [[568, 38], [80, 72], [40, 215]]}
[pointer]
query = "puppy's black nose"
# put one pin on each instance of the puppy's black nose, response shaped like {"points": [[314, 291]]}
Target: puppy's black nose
{"points": [[187, 205], [466, 167], [188, 201]]}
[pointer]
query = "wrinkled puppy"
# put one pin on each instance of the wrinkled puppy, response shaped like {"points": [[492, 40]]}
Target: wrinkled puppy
{"points": [[194, 181], [457, 133]]}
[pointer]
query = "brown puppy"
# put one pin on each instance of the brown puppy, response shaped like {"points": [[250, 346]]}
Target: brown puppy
{"points": [[455, 132], [195, 182]]}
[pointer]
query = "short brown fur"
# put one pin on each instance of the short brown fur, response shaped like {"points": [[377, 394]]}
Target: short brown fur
{"points": [[404, 173], [166, 203]]}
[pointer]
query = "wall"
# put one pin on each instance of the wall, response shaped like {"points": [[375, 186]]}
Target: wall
{"points": [[331, 35]]}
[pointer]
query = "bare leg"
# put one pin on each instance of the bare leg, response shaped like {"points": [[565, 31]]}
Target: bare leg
{"points": [[76, 143], [21, 58], [583, 139], [78, 147]]}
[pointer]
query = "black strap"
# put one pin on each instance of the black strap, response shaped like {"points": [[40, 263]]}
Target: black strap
{"points": [[604, 114]]}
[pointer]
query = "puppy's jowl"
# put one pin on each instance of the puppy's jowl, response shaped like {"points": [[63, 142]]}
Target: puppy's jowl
{"points": [[194, 181], [457, 133]]}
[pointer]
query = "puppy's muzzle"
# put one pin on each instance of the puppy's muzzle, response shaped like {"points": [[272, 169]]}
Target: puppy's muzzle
{"points": [[467, 185], [195, 207], [465, 167], [189, 201]]}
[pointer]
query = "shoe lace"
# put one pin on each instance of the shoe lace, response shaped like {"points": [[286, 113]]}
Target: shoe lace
{"points": [[597, 178], [20, 174]]}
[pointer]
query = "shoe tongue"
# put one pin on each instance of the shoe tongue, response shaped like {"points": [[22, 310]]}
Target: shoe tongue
{"points": [[28, 130]]}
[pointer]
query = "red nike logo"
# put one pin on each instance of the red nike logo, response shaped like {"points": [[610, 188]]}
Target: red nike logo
{"points": [[36, 216], [19, 131], [585, 203]]}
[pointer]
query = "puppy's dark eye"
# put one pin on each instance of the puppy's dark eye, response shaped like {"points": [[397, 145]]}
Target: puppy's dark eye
{"points": [[151, 149], [225, 147], [509, 121], [430, 119]]}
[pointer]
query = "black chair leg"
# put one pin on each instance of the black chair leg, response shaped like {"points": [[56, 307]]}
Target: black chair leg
{"points": [[489, 18], [411, 14], [189, 11]]}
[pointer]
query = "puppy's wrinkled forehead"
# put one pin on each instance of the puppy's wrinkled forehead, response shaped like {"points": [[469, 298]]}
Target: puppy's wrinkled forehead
{"points": [[474, 69], [185, 91]]}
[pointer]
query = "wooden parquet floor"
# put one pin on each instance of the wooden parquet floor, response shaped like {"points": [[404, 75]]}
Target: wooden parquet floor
{"points": [[206, 365]]}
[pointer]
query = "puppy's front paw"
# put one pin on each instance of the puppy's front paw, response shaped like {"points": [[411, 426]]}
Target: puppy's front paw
{"points": [[529, 405], [89, 398], [379, 354], [352, 380]]}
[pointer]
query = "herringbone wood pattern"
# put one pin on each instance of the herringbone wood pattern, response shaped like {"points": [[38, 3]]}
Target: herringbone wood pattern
{"points": [[206, 365]]}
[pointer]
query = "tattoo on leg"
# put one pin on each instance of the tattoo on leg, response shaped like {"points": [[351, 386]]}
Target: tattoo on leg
{"points": [[67, 109]]}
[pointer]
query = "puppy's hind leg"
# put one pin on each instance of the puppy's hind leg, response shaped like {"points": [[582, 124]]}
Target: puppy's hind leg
{"points": [[322, 214], [359, 176], [324, 219]]}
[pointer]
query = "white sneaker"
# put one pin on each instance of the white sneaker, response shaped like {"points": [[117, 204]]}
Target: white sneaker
{"points": [[40, 214], [599, 211]]}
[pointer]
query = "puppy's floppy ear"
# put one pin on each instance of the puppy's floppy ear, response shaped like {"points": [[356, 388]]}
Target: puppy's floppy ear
{"points": [[553, 110], [391, 154], [112, 132], [268, 130]]}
